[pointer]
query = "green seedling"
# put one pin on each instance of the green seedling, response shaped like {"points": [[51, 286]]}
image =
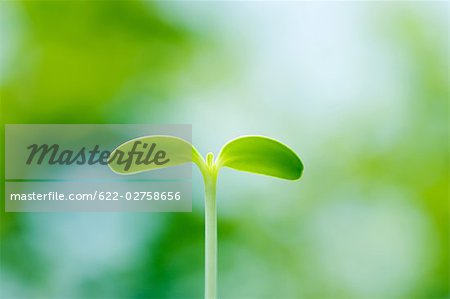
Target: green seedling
{"points": [[255, 154]]}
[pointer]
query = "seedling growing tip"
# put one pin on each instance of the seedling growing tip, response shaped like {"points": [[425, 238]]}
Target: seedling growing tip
{"points": [[255, 154]]}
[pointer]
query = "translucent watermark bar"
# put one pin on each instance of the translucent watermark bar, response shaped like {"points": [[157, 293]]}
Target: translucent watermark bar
{"points": [[51, 168]]}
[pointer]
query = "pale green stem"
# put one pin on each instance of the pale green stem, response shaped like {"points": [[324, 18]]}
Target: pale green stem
{"points": [[210, 178]]}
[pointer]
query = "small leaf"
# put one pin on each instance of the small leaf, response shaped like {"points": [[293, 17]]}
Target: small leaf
{"points": [[261, 155], [177, 151]]}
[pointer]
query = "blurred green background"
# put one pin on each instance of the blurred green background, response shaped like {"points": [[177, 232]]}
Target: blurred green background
{"points": [[359, 90]]}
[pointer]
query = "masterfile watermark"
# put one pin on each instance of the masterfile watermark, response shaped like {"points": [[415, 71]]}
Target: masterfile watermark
{"points": [[52, 154], [66, 168]]}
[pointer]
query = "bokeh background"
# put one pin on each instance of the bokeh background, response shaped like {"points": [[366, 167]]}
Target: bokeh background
{"points": [[359, 90]]}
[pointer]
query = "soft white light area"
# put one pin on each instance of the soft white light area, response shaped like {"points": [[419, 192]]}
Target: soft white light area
{"points": [[372, 247]]}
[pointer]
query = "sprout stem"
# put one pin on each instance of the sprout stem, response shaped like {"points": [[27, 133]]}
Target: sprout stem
{"points": [[210, 177]]}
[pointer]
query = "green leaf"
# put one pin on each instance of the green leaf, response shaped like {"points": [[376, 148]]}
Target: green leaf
{"points": [[261, 155], [177, 151]]}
